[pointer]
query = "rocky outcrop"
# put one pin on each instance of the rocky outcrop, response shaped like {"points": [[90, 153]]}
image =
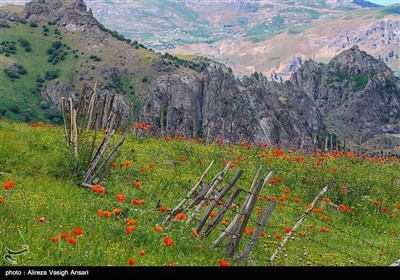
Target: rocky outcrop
{"points": [[71, 14], [358, 95], [230, 108]]}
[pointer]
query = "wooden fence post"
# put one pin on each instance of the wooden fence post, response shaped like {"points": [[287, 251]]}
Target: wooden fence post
{"points": [[298, 223]]}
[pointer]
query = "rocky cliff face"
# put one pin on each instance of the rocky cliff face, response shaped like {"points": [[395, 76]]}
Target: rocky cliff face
{"points": [[230, 108], [358, 95], [71, 14]]}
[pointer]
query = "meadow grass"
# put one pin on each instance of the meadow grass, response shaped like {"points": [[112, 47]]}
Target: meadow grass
{"points": [[46, 177]]}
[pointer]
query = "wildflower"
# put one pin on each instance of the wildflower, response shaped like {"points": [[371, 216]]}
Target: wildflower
{"points": [[273, 198], [180, 216], [99, 189], [201, 162], [281, 207], [398, 207], [263, 233], [234, 206], [116, 211], [107, 214], [137, 201], [323, 229], [385, 209], [279, 180], [287, 230], [195, 233], [393, 215], [64, 235], [114, 164], [127, 164], [272, 181], [212, 214], [158, 228], [282, 198], [297, 199], [120, 197], [259, 211], [142, 170], [324, 217], [220, 202], [138, 185], [326, 199], [317, 210], [170, 264], [151, 165], [132, 222], [99, 212], [130, 229], [71, 240], [183, 159], [343, 189], [393, 231], [131, 261], [168, 138], [278, 236], [302, 233], [168, 241], [261, 198], [377, 203], [142, 253], [224, 263], [42, 219], [9, 184], [311, 226], [199, 140], [55, 239], [163, 209], [286, 191], [1, 200], [198, 246], [77, 231], [218, 139]]}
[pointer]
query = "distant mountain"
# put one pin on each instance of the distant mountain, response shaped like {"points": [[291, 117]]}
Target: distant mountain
{"points": [[366, 4], [51, 49]]}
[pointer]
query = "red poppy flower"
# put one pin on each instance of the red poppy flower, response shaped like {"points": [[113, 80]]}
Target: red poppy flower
{"points": [[170, 264], [199, 140], [99, 212], [137, 201], [142, 253], [130, 229], [393, 231], [259, 211], [77, 231], [398, 207], [116, 211], [9, 184], [286, 191], [183, 159], [272, 181], [114, 164], [282, 198], [324, 217], [168, 138], [317, 210], [224, 263], [142, 170], [107, 214], [260, 198], [138, 185], [131, 261], [195, 233], [385, 209], [99, 189], [42, 219], [263, 234], [198, 246], [212, 214], [323, 229], [302, 233], [120, 197], [297, 199], [287, 230], [343, 189], [377, 203], [278, 236], [1, 200], [220, 202], [201, 162], [180, 216], [163, 209], [158, 228], [132, 222], [55, 239], [279, 180], [127, 164], [393, 215], [168, 241], [151, 165], [326, 199], [64, 235], [311, 226], [71, 240]]}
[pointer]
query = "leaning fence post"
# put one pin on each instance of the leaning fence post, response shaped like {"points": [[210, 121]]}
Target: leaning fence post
{"points": [[298, 223]]}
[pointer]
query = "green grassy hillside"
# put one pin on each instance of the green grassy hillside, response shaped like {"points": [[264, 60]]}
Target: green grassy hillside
{"points": [[356, 224]]}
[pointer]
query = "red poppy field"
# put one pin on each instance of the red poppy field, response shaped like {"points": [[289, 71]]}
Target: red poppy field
{"points": [[119, 222]]}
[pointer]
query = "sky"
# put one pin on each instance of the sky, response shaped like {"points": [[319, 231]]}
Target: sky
{"points": [[385, 2]]}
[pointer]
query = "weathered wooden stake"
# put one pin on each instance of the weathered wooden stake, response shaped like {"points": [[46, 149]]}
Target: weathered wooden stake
{"points": [[64, 112], [220, 214], [254, 238], [298, 223], [224, 191], [179, 206]]}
